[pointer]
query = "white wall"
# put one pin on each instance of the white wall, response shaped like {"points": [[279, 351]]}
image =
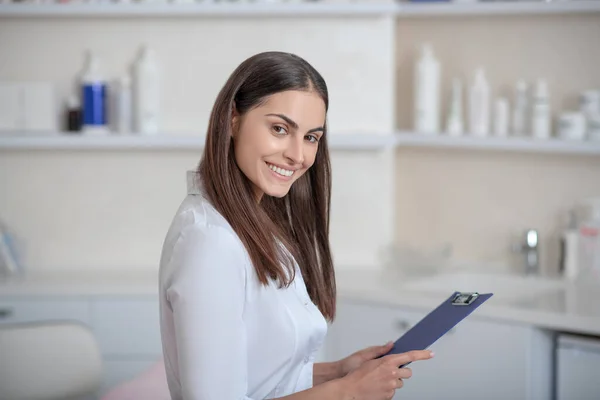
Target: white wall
{"points": [[111, 209]]}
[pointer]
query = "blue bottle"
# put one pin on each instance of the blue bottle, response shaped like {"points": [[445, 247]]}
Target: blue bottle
{"points": [[94, 95]]}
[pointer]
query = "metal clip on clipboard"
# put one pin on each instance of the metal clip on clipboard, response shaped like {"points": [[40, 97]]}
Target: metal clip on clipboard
{"points": [[439, 321], [464, 299]]}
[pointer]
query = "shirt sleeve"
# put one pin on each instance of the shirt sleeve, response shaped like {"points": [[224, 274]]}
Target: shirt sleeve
{"points": [[207, 297]]}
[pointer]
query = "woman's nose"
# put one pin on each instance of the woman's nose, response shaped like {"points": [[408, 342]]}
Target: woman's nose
{"points": [[294, 151]]}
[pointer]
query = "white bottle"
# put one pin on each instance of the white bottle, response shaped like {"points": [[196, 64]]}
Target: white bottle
{"points": [[589, 102], [479, 105], [521, 110], [589, 241], [501, 117], [569, 249], [589, 105], [146, 93], [540, 111], [427, 92], [121, 116], [454, 122]]}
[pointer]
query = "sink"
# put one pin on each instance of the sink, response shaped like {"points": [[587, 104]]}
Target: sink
{"points": [[504, 286]]}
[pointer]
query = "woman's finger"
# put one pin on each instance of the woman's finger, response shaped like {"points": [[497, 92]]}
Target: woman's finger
{"points": [[377, 351], [399, 383], [404, 373], [411, 356]]}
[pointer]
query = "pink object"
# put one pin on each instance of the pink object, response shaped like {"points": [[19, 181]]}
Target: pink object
{"points": [[149, 385]]}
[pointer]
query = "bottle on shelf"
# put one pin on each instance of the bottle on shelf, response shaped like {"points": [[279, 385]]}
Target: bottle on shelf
{"points": [[569, 248], [589, 240], [121, 110], [454, 122], [94, 93], [540, 111], [589, 105], [479, 105], [521, 109], [146, 93], [427, 92], [73, 114], [501, 117]]}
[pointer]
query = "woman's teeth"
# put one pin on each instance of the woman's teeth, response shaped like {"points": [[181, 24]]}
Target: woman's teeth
{"points": [[280, 171]]}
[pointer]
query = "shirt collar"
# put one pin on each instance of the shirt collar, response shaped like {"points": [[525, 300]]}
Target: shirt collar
{"points": [[194, 184]]}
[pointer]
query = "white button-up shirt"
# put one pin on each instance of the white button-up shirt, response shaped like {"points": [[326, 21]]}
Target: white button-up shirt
{"points": [[225, 336]]}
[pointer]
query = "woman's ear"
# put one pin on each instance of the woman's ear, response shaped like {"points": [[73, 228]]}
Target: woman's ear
{"points": [[235, 122]]}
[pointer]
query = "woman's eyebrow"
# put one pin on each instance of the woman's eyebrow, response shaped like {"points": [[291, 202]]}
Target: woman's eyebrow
{"points": [[285, 118], [293, 123]]}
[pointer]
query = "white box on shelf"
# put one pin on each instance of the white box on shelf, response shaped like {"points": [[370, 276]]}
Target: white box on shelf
{"points": [[28, 107], [9, 106], [39, 107]]}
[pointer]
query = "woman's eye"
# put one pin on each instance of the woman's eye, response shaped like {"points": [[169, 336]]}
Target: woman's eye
{"points": [[280, 130], [312, 138]]}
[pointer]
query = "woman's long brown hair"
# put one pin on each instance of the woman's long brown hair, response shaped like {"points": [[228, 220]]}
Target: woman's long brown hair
{"points": [[300, 219]]}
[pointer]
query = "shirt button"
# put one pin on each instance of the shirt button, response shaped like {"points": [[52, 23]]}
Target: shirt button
{"points": [[306, 359]]}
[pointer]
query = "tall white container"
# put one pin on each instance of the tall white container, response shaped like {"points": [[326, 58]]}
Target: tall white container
{"points": [[540, 111], [479, 105], [454, 122], [427, 92], [588, 214], [521, 109], [501, 117], [146, 93], [121, 111]]}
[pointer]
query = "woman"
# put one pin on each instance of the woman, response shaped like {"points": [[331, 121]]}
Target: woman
{"points": [[246, 276]]}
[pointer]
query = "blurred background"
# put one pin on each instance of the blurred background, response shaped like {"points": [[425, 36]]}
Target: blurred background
{"points": [[465, 143]]}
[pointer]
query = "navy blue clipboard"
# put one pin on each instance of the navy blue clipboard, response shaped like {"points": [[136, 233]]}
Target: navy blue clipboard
{"points": [[439, 321]]}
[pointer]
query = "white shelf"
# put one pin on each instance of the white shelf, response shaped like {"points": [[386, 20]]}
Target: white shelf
{"points": [[118, 142], [366, 9], [350, 141], [77, 141], [497, 8], [364, 141], [195, 10], [508, 144]]}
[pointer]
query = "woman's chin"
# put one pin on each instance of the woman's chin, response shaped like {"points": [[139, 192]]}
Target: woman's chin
{"points": [[277, 191]]}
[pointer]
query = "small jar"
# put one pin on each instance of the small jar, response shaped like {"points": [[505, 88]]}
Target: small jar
{"points": [[73, 115], [571, 126]]}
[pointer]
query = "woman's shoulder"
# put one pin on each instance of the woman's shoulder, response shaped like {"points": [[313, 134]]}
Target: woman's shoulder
{"points": [[199, 227], [197, 212]]}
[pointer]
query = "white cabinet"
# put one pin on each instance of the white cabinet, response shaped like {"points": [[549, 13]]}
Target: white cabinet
{"points": [[137, 317], [126, 327], [19, 310], [476, 360], [578, 368]]}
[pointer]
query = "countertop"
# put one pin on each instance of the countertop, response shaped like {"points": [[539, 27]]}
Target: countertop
{"points": [[573, 308]]}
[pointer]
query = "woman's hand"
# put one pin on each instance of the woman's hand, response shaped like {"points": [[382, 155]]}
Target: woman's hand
{"points": [[357, 359], [378, 379]]}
